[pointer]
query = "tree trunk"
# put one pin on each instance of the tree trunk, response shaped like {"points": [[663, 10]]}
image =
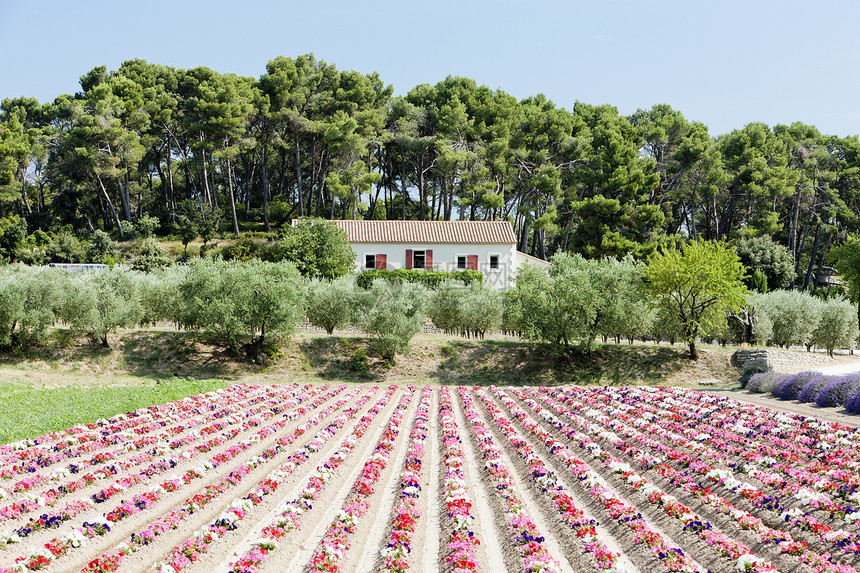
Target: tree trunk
{"points": [[403, 186], [264, 173], [110, 205], [298, 179], [207, 196], [812, 258], [124, 197], [232, 197], [694, 354]]}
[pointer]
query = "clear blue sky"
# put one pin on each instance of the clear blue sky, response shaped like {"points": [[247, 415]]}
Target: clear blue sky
{"points": [[725, 63]]}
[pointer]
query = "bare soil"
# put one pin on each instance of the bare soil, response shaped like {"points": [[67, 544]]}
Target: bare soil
{"points": [[164, 352]]}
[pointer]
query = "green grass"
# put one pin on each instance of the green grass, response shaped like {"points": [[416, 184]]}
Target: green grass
{"points": [[27, 411]]}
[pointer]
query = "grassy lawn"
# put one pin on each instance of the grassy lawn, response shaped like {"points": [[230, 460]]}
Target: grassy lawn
{"points": [[29, 411]]}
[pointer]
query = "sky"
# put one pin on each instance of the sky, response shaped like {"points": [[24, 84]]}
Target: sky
{"points": [[724, 63]]}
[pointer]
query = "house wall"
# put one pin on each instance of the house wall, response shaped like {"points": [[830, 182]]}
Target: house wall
{"points": [[444, 258]]}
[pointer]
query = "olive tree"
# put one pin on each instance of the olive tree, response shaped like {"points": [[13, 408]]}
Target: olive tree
{"points": [[331, 304], [29, 301], [794, 316], [252, 303], [697, 284], [558, 307], [159, 295], [837, 326], [393, 314], [471, 310], [101, 302]]}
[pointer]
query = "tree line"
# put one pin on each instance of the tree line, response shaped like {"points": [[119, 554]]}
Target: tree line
{"points": [[196, 152], [251, 306]]}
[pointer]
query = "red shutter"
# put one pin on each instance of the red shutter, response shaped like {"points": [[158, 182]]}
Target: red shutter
{"points": [[381, 261], [472, 262], [428, 259], [408, 258]]}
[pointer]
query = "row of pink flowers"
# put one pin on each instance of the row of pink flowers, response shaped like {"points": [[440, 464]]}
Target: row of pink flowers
{"points": [[210, 492], [49, 497], [111, 561], [546, 483], [190, 550], [289, 518], [830, 451], [146, 499], [737, 552], [522, 530], [800, 449], [672, 558], [120, 430], [667, 503], [336, 540], [406, 513], [692, 455], [462, 543], [154, 433]]}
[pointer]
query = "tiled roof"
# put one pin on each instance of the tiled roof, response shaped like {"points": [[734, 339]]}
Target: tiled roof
{"points": [[428, 232]]}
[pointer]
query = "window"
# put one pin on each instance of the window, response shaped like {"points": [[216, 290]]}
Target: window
{"points": [[494, 262], [462, 262], [418, 259], [375, 261]]}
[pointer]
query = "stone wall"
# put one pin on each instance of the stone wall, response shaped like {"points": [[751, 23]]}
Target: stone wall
{"points": [[784, 361], [746, 359]]}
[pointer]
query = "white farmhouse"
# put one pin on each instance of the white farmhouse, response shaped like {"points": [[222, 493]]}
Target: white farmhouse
{"points": [[486, 246]]}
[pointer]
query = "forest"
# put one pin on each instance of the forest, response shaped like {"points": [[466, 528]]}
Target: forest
{"points": [[150, 148]]}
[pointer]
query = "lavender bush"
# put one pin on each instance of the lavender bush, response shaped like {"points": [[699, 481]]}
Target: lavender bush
{"points": [[837, 390], [853, 402], [812, 387], [790, 387], [764, 383]]}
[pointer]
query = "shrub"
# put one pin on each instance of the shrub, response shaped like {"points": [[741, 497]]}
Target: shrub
{"points": [[811, 388], [65, 248], [428, 279], [852, 404], [150, 256], [395, 313], [331, 304], [763, 383], [102, 249], [358, 362], [836, 391], [789, 387], [318, 248], [243, 250], [237, 303], [146, 226]]}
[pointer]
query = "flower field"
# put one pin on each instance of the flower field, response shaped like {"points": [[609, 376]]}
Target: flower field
{"points": [[457, 479]]}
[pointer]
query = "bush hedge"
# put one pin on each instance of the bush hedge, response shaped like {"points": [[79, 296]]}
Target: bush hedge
{"points": [[429, 279]]}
